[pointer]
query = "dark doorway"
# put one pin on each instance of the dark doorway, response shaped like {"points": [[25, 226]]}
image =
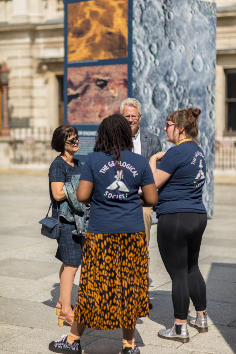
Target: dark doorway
{"points": [[60, 99], [231, 100]]}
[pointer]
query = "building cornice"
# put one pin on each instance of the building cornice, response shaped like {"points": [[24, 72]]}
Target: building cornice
{"points": [[225, 51], [229, 11], [9, 27]]}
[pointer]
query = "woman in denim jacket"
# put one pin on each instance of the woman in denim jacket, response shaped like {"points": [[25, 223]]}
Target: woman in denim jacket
{"points": [[65, 140]]}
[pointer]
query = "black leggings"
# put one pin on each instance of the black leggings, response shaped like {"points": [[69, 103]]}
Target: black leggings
{"points": [[179, 239]]}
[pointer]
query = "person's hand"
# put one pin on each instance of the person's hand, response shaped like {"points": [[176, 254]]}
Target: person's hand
{"points": [[158, 156]]}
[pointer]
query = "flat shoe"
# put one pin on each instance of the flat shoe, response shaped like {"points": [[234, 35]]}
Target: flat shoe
{"points": [[62, 346]]}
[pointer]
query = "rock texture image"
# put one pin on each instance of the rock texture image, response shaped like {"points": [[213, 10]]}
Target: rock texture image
{"points": [[174, 58], [97, 30], [94, 92]]}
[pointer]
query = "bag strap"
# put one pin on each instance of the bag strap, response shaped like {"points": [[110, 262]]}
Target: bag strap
{"points": [[49, 209], [58, 217]]}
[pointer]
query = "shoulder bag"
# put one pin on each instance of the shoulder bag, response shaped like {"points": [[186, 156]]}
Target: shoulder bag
{"points": [[51, 227]]}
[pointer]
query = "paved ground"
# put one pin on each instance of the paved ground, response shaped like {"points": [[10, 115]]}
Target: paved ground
{"points": [[29, 284]]}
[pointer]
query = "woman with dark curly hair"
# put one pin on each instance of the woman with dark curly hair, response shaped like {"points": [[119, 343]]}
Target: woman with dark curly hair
{"points": [[182, 219], [65, 140], [113, 290]]}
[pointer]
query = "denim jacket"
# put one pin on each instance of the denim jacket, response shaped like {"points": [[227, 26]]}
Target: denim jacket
{"points": [[74, 211]]}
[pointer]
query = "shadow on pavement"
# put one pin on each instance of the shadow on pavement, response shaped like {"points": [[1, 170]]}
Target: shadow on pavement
{"points": [[221, 300]]}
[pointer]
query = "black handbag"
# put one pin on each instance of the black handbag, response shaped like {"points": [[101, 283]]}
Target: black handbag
{"points": [[51, 227]]}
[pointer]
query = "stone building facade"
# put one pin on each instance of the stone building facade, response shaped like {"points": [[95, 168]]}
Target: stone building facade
{"points": [[31, 40]]}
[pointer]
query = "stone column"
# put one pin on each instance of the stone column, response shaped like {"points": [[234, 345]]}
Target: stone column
{"points": [[36, 11], [5, 129], [52, 5], [20, 11]]}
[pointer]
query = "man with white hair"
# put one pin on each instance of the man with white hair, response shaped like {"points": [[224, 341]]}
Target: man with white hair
{"points": [[145, 144]]}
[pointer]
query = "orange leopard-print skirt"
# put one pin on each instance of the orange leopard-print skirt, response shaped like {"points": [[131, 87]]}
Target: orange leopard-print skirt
{"points": [[113, 289]]}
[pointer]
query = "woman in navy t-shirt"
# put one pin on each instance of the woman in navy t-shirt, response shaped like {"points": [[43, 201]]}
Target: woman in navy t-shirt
{"points": [[65, 140], [182, 219], [113, 290]]}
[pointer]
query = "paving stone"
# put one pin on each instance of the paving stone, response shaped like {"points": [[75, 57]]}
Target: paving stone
{"points": [[218, 259], [27, 313], [112, 346], [50, 296], [219, 313], [157, 279], [18, 288], [103, 346], [36, 341], [28, 252], [46, 258], [19, 240], [221, 291], [219, 242], [28, 269], [213, 251], [216, 271], [7, 331], [218, 340], [154, 349], [145, 334]]}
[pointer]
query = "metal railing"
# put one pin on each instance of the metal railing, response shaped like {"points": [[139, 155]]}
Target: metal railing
{"points": [[32, 146], [225, 155]]}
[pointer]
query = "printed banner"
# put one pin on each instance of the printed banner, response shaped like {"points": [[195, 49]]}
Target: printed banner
{"points": [[160, 52]]}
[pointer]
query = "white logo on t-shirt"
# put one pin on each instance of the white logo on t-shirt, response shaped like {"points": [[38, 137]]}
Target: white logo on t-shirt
{"points": [[118, 184], [200, 174]]}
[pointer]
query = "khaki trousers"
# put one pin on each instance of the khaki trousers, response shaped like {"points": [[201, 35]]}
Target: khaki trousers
{"points": [[147, 217]]}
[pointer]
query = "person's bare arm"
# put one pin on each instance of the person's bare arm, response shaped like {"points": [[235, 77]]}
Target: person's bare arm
{"points": [[149, 197], [84, 192], [160, 177], [57, 191]]}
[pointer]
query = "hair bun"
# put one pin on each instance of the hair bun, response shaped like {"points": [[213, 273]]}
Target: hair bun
{"points": [[194, 111]]}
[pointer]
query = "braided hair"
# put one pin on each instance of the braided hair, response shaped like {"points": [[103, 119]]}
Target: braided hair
{"points": [[114, 135]]}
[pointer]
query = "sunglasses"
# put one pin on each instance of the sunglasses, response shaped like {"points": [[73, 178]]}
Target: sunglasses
{"points": [[169, 125], [73, 140]]}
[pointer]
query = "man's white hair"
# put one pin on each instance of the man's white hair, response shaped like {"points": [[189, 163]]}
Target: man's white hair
{"points": [[132, 102]]}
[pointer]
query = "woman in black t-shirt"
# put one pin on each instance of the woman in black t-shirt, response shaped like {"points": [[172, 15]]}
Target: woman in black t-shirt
{"points": [[182, 219]]}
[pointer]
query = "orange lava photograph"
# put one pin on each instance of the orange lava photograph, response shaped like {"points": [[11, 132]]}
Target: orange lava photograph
{"points": [[95, 92], [97, 30]]}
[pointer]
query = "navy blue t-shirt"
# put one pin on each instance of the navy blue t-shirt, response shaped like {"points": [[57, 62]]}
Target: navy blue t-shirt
{"points": [[116, 205], [182, 193], [61, 171]]}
